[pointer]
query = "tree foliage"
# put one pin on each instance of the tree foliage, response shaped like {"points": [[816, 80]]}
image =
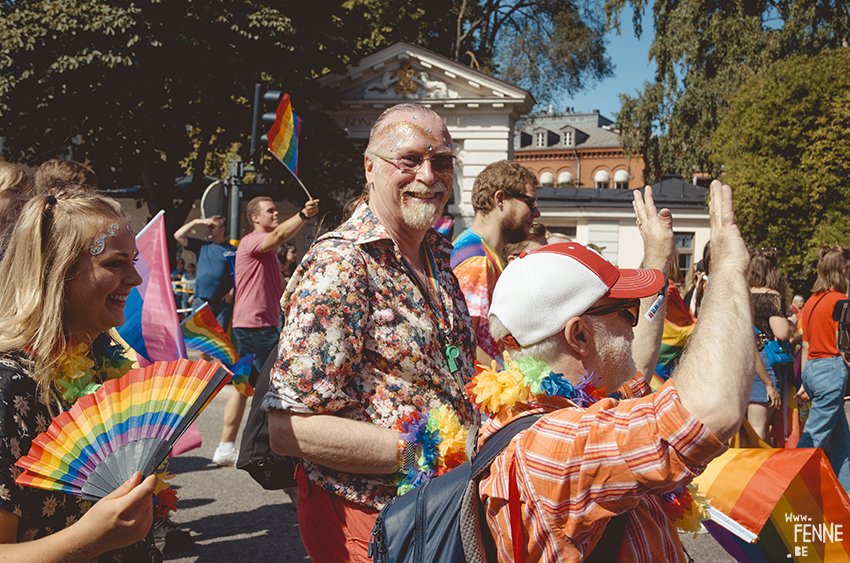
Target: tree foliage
{"points": [[705, 49], [787, 156], [147, 91]]}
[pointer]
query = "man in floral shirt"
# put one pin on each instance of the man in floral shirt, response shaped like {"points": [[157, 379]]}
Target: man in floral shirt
{"points": [[376, 331]]}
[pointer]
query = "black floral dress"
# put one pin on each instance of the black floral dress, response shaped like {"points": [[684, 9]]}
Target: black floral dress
{"points": [[40, 513]]}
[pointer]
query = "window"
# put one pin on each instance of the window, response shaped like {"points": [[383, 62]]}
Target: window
{"points": [[600, 180], [565, 179], [547, 180], [621, 180], [685, 246], [541, 140], [568, 138]]}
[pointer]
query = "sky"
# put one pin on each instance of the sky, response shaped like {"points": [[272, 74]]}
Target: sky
{"points": [[631, 69]]}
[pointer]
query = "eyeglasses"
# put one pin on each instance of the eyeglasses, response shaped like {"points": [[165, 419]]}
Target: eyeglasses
{"points": [[411, 163], [629, 308], [531, 202]]}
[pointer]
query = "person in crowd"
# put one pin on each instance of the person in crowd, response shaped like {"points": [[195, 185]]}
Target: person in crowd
{"points": [[288, 256], [56, 174], [504, 197], [512, 251], [377, 333], [538, 233], [176, 276], [188, 281], [824, 372], [64, 280], [14, 193], [216, 256], [256, 311], [599, 462], [770, 302]]}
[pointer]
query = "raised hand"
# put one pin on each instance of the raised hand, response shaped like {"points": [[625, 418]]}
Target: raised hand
{"points": [[656, 230], [727, 247]]}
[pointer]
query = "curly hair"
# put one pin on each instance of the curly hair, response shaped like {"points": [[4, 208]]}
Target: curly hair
{"points": [[505, 175]]}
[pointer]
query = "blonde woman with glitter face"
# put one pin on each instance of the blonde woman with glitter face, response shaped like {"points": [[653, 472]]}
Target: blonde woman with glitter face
{"points": [[64, 280]]}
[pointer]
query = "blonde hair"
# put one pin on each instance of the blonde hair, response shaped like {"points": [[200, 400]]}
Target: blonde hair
{"points": [[51, 237], [12, 175]]}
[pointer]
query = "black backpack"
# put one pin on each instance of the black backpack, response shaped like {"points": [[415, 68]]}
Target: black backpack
{"points": [[269, 469], [442, 520]]}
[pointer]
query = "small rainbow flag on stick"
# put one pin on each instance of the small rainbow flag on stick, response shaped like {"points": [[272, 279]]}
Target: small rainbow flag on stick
{"points": [[202, 332], [283, 138], [789, 498]]}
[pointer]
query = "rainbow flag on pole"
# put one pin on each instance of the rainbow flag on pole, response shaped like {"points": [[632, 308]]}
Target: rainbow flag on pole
{"points": [[283, 135], [790, 498], [202, 332]]}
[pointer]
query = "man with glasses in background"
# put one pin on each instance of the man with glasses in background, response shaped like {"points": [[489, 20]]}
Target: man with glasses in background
{"points": [[504, 198], [376, 332]]}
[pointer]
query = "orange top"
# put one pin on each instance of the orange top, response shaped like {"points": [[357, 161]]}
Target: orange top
{"points": [[819, 330]]}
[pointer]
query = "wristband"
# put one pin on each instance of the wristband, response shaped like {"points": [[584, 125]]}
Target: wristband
{"points": [[301, 214], [406, 455]]}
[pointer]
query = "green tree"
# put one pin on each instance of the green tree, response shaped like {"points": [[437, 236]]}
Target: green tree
{"points": [[786, 153], [147, 91], [705, 49], [549, 47]]}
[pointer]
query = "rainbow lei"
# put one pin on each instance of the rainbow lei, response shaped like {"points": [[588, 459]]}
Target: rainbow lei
{"points": [[443, 441], [80, 370], [493, 389]]}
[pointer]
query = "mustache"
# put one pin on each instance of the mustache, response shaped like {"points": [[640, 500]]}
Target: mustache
{"points": [[418, 188]]}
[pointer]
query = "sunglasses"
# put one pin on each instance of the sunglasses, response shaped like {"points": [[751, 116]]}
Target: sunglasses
{"points": [[411, 163], [531, 202], [628, 308]]}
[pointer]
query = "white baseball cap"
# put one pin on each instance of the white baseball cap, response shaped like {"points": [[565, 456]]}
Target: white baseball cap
{"points": [[544, 288]]}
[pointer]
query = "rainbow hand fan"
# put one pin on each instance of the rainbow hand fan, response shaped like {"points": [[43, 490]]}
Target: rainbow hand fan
{"points": [[128, 425]]}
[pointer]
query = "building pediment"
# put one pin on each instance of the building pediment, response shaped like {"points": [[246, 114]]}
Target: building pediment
{"points": [[406, 72]]}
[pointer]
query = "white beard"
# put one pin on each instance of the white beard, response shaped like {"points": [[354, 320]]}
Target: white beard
{"points": [[421, 215], [615, 363]]}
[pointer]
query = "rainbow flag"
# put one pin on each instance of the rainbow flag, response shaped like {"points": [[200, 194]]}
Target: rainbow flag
{"points": [[151, 327], [678, 326], [202, 332], [283, 135], [790, 498]]}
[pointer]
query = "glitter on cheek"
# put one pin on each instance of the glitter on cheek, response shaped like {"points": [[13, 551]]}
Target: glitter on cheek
{"points": [[428, 147]]}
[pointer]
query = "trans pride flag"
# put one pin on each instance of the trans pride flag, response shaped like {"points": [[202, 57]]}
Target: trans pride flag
{"points": [[202, 332], [151, 327], [283, 135], [790, 498]]}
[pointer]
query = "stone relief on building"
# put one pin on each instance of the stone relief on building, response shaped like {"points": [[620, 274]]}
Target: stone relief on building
{"points": [[406, 82]]}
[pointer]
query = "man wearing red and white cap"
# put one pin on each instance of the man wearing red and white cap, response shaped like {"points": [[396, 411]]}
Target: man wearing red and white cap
{"points": [[585, 483]]}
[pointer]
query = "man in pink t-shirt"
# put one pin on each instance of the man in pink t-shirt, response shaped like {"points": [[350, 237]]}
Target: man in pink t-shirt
{"points": [[256, 308]]}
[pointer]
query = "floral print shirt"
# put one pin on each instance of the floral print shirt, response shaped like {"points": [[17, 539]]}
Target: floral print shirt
{"points": [[40, 513], [362, 343]]}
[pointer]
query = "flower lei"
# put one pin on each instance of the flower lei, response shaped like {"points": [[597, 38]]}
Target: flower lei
{"points": [[494, 389], [80, 370], [443, 441]]}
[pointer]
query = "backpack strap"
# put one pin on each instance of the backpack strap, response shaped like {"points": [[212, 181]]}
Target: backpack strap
{"points": [[478, 545]]}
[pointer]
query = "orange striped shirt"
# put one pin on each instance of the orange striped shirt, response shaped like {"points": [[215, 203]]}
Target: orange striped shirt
{"points": [[577, 468]]}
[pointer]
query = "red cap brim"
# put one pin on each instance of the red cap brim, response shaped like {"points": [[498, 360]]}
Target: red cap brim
{"points": [[636, 283]]}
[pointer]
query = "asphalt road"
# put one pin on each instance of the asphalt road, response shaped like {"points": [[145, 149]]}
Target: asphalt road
{"points": [[232, 519]]}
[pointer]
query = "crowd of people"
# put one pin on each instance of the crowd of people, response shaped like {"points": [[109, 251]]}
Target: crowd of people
{"points": [[398, 353]]}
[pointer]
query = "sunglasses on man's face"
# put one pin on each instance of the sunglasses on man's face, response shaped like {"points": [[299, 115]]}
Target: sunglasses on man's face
{"points": [[628, 308], [531, 202]]}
